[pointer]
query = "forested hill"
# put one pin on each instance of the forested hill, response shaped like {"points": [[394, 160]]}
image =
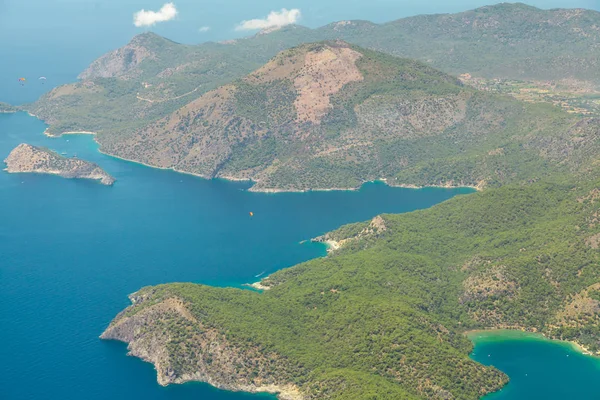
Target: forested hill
{"points": [[383, 317]]}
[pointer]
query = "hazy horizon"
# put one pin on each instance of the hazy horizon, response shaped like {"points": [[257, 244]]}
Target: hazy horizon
{"points": [[60, 38]]}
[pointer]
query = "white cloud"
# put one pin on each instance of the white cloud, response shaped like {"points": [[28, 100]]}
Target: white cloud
{"points": [[204, 29], [275, 19], [148, 18]]}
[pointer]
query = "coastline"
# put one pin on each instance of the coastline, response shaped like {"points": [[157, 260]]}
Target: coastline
{"points": [[525, 334], [6, 108], [78, 133], [275, 190], [253, 187], [117, 157], [55, 173]]}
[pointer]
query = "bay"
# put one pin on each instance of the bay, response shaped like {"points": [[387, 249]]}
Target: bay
{"points": [[538, 368]]}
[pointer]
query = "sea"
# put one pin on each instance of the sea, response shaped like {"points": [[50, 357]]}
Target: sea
{"points": [[72, 250]]}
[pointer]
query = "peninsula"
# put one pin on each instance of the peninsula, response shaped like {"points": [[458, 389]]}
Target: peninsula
{"points": [[27, 158], [7, 108]]}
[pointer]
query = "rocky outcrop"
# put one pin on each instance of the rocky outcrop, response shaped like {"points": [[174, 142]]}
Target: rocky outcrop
{"points": [[182, 349], [335, 241], [27, 158]]}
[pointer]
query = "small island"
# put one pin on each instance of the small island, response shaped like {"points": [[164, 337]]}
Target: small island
{"points": [[27, 158]]}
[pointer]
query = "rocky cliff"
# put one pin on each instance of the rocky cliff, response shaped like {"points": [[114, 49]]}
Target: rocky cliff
{"points": [[209, 358], [27, 158]]}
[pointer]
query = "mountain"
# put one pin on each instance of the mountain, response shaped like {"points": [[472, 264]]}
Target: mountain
{"points": [[291, 124], [333, 115], [153, 76], [509, 41], [141, 82]]}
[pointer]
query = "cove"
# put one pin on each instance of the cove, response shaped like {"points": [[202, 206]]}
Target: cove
{"points": [[538, 368], [72, 250]]}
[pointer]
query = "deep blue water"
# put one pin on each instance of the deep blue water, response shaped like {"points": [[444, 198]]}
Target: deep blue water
{"points": [[72, 250], [538, 368]]}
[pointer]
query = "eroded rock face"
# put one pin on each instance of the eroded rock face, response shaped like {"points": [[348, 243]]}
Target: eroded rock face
{"points": [[27, 158], [316, 75], [325, 72]]}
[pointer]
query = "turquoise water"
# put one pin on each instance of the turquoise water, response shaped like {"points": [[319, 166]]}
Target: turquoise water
{"points": [[72, 250], [538, 368]]}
